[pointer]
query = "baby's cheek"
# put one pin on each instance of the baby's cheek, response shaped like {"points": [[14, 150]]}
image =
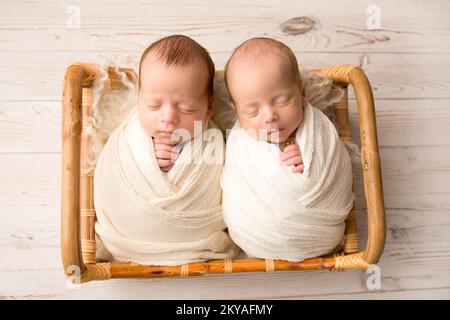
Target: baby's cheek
{"points": [[190, 127], [148, 123]]}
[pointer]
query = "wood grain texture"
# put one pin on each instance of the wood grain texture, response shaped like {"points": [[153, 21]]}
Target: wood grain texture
{"points": [[407, 62], [407, 26], [392, 76]]}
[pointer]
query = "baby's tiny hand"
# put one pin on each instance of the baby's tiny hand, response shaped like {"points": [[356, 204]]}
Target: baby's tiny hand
{"points": [[166, 154], [292, 156]]}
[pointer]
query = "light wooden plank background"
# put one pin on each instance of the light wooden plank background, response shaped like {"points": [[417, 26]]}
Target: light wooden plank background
{"points": [[407, 62]]}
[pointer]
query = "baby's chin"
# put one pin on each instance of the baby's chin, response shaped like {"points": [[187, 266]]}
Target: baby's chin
{"points": [[275, 140], [171, 139], [279, 140], [270, 138]]}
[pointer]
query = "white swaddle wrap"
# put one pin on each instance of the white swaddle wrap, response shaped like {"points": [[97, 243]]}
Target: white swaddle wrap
{"points": [[273, 213], [150, 217]]}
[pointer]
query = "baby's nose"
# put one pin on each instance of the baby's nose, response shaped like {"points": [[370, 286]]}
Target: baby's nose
{"points": [[170, 114], [270, 115]]}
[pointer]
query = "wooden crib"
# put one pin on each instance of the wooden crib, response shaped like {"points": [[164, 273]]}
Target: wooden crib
{"points": [[77, 206]]}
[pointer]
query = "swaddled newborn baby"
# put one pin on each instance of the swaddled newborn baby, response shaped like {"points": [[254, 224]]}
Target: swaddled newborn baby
{"points": [[287, 180], [157, 180]]}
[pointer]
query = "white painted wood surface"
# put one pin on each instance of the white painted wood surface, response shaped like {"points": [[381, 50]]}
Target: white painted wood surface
{"points": [[407, 62]]}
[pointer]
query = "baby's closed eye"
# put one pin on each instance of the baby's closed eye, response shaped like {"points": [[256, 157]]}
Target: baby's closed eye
{"points": [[152, 107], [188, 108], [281, 100], [249, 110]]}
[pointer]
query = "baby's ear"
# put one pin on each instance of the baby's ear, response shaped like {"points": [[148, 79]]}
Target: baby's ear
{"points": [[233, 106], [210, 110], [303, 92], [302, 88]]}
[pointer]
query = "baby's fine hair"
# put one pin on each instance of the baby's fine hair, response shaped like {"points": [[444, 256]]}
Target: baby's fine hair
{"points": [[180, 50], [260, 46]]}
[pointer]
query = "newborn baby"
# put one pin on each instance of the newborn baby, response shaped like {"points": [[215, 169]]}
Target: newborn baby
{"points": [[287, 180], [175, 92], [156, 202]]}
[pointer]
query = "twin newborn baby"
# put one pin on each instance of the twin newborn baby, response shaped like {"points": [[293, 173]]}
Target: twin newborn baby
{"points": [[168, 191], [263, 80]]}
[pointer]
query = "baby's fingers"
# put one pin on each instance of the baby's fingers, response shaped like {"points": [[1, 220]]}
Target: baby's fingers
{"points": [[176, 149], [162, 146], [298, 169], [291, 147], [290, 154], [293, 161], [166, 169], [164, 163], [164, 154], [169, 142]]}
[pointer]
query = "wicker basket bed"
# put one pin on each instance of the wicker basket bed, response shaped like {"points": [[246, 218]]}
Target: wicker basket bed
{"points": [[77, 207]]}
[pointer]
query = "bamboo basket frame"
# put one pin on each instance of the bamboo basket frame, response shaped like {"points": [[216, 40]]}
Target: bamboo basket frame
{"points": [[77, 206]]}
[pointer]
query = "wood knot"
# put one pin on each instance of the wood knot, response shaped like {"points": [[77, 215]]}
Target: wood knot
{"points": [[297, 25]]}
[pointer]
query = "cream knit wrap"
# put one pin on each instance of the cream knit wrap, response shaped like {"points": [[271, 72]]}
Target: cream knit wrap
{"points": [[274, 213], [150, 217]]}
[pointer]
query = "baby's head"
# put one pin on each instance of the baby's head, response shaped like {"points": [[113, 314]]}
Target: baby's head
{"points": [[263, 79], [175, 87]]}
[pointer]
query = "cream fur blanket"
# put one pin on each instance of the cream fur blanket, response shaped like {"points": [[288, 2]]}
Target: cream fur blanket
{"points": [[273, 213], [150, 217]]}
